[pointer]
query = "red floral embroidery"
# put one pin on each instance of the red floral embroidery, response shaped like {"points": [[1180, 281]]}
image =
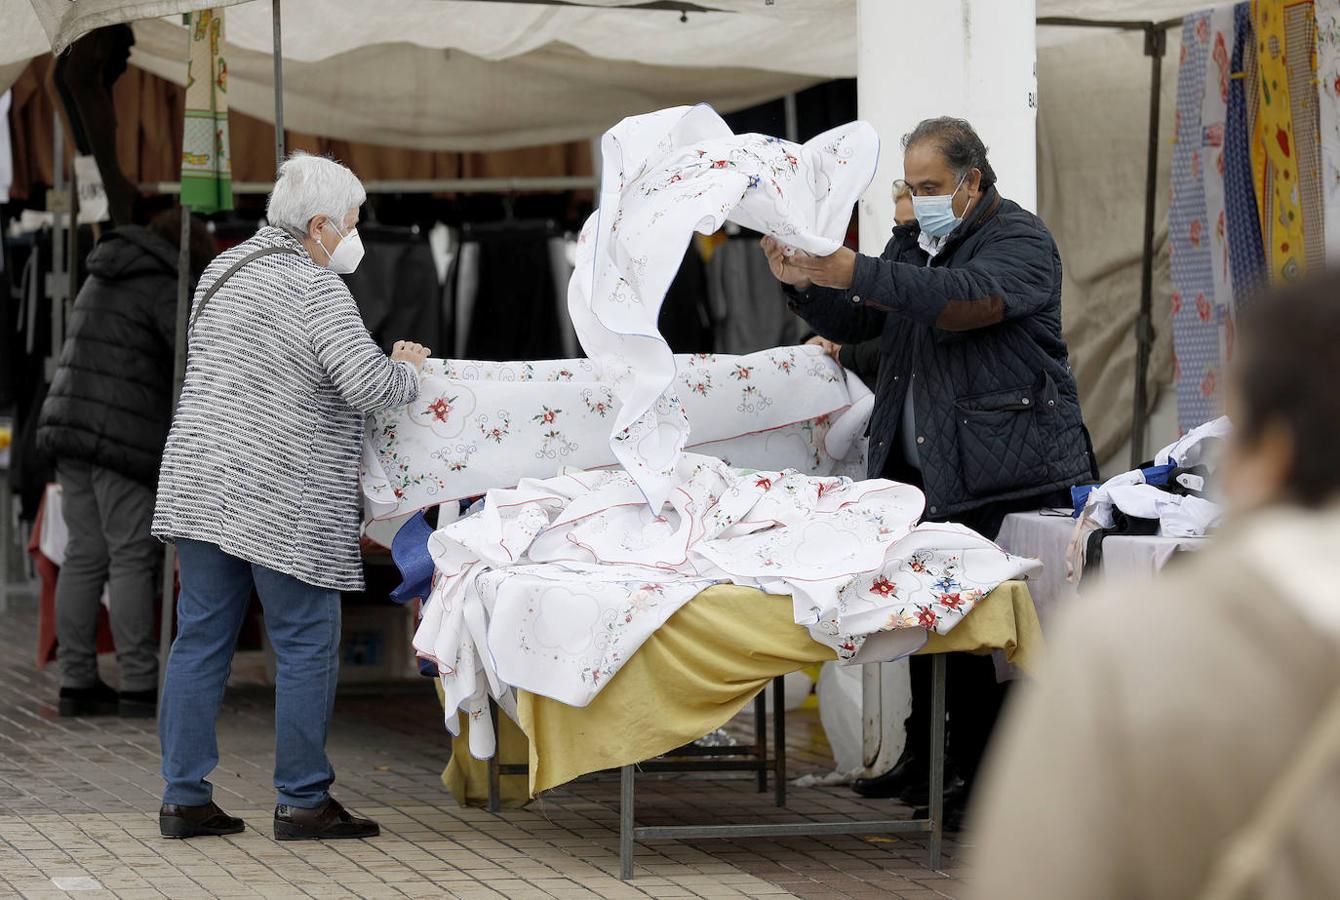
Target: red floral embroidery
{"points": [[720, 164], [441, 408], [764, 483], [883, 587], [952, 601], [1203, 307], [926, 617], [1176, 302], [1208, 383], [1196, 228]]}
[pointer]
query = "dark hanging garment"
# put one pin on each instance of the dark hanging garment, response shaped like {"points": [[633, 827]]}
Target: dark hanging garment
{"points": [[748, 303], [29, 470], [514, 313], [397, 289], [686, 318]]}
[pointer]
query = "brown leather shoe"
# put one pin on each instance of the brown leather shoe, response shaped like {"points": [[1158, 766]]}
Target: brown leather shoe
{"points": [[175, 821], [328, 822]]}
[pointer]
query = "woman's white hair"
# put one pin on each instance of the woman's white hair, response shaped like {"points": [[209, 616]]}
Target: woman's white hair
{"points": [[310, 186]]}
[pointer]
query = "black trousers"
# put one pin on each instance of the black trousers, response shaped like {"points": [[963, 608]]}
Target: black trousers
{"points": [[973, 696]]}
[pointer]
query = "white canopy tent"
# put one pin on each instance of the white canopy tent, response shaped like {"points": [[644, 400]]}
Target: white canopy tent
{"points": [[487, 74]]}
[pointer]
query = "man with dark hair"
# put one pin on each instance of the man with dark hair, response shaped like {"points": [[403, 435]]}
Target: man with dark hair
{"points": [[104, 424], [975, 401], [1183, 740]]}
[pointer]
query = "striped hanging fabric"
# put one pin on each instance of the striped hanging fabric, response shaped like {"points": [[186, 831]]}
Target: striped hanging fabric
{"points": [[1246, 254], [1282, 218], [206, 168], [1328, 95]]}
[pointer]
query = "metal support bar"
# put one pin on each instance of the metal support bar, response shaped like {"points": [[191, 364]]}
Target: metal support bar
{"points": [[937, 785], [627, 799], [1156, 45], [279, 88], [495, 764], [792, 119], [761, 737], [779, 739], [788, 829], [525, 184], [169, 594]]}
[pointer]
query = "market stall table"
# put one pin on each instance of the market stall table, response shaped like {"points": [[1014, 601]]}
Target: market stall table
{"points": [[692, 676], [1045, 535]]}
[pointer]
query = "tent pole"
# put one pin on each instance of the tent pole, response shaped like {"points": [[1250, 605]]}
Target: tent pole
{"points": [[1156, 45], [178, 378], [279, 88]]}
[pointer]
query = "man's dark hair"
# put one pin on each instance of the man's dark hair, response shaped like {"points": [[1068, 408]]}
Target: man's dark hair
{"points": [[963, 150], [1287, 373]]}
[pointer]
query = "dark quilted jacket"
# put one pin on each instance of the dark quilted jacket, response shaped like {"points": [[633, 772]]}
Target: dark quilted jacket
{"points": [[977, 333], [110, 401]]}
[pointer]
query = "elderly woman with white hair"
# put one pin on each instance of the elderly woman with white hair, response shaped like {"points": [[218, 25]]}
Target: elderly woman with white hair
{"points": [[258, 486]]}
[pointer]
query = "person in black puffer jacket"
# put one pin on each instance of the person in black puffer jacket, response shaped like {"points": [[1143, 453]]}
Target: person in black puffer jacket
{"points": [[104, 423], [975, 401]]}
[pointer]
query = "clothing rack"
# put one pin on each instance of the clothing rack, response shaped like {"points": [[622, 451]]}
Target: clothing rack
{"points": [[534, 184], [1156, 47]]}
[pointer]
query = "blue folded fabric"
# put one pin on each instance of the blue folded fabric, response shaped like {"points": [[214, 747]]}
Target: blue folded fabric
{"points": [[1154, 475], [409, 550]]}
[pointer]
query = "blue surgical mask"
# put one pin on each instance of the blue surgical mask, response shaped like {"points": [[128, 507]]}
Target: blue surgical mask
{"points": [[935, 215]]}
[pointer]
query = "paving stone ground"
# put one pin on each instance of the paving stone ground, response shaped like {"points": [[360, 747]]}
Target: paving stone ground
{"points": [[79, 798]]}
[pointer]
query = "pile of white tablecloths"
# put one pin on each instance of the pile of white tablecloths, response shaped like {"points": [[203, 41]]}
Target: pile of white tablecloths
{"points": [[555, 583]]}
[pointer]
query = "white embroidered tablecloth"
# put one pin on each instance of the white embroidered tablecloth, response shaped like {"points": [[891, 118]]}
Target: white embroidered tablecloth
{"points": [[556, 583], [482, 425], [665, 175]]}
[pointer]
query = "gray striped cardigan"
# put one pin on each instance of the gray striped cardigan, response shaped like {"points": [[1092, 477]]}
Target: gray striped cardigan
{"points": [[263, 454]]}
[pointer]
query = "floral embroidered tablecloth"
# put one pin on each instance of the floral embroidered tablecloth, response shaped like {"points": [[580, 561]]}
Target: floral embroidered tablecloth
{"points": [[483, 425], [555, 584]]}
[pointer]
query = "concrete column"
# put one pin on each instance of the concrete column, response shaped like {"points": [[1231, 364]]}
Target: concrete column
{"points": [[970, 58], [976, 59]]}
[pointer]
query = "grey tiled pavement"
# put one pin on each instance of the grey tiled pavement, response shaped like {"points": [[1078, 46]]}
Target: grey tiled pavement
{"points": [[78, 800]]}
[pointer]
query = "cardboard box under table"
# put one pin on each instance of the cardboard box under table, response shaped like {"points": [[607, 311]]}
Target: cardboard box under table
{"points": [[692, 676]]}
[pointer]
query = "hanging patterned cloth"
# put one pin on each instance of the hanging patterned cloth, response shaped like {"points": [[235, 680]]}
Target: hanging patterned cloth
{"points": [[206, 168], [1328, 95], [1195, 333], [1282, 219], [1243, 217], [1300, 33], [1213, 126]]}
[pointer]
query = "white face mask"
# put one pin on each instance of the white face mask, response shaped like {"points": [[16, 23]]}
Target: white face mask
{"points": [[347, 255]]}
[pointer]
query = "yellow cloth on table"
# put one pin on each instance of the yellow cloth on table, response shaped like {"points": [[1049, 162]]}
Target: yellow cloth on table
{"points": [[693, 675]]}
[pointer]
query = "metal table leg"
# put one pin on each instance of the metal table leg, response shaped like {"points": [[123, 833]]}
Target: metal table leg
{"points": [[937, 785], [779, 739], [761, 738], [626, 822], [495, 763]]}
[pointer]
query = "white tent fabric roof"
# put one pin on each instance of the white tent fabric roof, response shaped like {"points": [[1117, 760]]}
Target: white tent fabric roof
{"points": [[485, 74]]}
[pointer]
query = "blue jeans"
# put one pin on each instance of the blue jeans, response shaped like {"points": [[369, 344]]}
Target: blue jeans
{"points": [[303, 623]]}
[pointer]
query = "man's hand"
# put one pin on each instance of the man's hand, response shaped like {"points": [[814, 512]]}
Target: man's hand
{"points": [[783, 266], [827, 346], [410, 352], [832, 271]]}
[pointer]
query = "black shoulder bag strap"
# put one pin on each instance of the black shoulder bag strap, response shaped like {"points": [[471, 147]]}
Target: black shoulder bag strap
{"points": [[229, 273]]}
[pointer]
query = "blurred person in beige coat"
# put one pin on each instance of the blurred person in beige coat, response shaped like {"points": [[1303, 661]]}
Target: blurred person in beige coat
{"points": [[1184, 739]]}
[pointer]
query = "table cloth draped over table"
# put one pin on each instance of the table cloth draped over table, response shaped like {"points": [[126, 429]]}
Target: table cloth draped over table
{"points": [[692, 676]]}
